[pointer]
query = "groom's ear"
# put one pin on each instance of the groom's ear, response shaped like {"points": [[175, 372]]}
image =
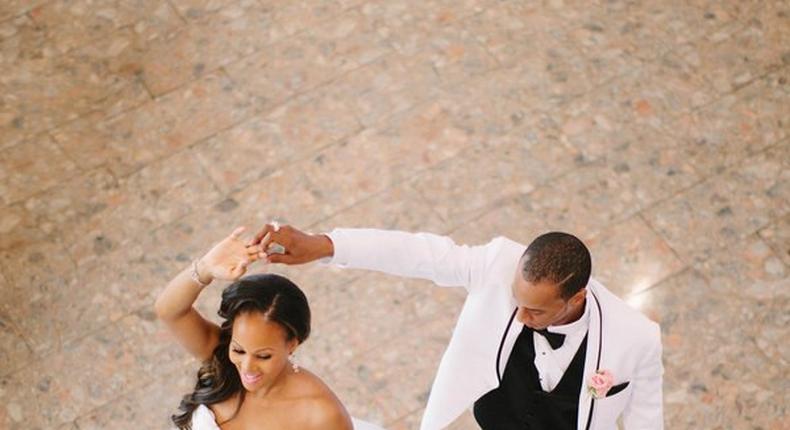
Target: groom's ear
{"points": [[578, 298]]}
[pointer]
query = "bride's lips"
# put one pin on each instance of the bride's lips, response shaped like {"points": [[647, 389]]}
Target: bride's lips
{"points": [[250, 379]]}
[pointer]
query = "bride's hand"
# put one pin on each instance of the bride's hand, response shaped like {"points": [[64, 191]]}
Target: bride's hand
{"points": [[228, 260]]}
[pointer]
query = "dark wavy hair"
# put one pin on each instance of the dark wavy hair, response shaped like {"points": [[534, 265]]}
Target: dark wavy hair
{"points": [[280, 301]]}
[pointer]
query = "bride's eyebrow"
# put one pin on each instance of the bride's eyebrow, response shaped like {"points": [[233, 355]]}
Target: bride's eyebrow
{"points": [[238, 345]]}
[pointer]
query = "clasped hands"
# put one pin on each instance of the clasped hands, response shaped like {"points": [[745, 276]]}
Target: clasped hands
{"points": [[229, 259]]}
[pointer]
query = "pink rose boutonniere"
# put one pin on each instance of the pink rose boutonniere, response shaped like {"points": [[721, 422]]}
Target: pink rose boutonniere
{"points": [[600, 383]]}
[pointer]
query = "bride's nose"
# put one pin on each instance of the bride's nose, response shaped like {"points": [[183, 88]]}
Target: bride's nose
{"points": [[247, 364]]}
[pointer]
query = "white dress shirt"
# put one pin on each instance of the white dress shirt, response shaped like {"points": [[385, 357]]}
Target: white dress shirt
{"points": [[552, 363]]}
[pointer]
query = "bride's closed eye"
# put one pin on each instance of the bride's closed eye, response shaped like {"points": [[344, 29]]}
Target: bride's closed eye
{"points": [[242, 352]]}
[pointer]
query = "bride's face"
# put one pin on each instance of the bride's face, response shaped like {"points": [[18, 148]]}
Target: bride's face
{"points": [[259, 349]]}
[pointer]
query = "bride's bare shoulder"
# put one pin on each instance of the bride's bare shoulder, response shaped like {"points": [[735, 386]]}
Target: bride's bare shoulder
{"points": [[319, 406]]}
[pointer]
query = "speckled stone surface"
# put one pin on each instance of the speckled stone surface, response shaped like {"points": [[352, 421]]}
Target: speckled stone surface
{"points": [[134, 134]]}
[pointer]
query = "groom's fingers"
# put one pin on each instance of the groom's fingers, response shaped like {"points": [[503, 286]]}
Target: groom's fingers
{"points": [[268, 228], [282, 258], [266, 241]]}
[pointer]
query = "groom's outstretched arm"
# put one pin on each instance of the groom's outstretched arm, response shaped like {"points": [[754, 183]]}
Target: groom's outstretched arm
{"points": [[415, 255]]}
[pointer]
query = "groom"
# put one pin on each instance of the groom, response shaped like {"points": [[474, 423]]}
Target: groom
{"points": [[539, 345]]}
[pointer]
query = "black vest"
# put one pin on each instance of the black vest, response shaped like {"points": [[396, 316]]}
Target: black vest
{"points": [[519, 403]]}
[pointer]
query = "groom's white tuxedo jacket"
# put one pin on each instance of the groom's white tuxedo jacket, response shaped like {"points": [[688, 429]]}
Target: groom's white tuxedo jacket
{"points": [[622, 339]]}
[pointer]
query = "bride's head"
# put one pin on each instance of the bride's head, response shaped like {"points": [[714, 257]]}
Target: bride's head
{"points": [[266, 317]]}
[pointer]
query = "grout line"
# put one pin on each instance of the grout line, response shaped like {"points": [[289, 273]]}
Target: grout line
{"points": [[177, 12]]}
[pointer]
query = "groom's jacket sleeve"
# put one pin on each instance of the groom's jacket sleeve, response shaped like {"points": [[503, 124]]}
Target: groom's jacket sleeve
{"points": [[645, 410], [414, 255]]}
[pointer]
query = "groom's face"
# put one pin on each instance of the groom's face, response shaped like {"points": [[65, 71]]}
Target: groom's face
{"points": [[540, 303]]}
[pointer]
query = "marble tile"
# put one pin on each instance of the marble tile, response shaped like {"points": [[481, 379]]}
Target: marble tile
{"points": [[156, 352], [149, 406], [39, 94], [519, 33], [724, 208], [14, 8], [99, 214], [30, 257], [412, 142], [667, 87], [481, 177], [15, 352], [53, 312], [593, 132], [750, 269], [335, 318], [315, 119], [287, 197], [233, 32], [385, 88], [31, 167], [452, 51], [705, 389], [741, 11], [655, 131], [736, 126], [248, 152], [650, 95], [654, 28], [777, 235], [651, 164], [305, 15], [393, 18], [401, 207], [130, 277], [616, 38], [510, 219], [356, 397], [21, 40], [63, 386], [75, 204], [305, 61], [72, 24], [734, 59], [491, 105], [559, 73], [629, 257], [606, 52], [583, 201], [193, 10], [159, 128], [379, 369]]}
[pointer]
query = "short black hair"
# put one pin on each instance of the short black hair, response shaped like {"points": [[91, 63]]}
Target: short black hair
{"points": [[560, 258]]}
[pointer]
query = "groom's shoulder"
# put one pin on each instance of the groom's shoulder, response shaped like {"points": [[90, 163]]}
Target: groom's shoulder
{"points": [[503, 247], [502, 254]]}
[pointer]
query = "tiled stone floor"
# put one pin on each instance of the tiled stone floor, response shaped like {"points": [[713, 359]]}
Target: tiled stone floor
{"points": [[133, 134]]}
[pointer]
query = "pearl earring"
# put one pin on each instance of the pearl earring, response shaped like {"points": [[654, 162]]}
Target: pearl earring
{"points": [[294, 365]]}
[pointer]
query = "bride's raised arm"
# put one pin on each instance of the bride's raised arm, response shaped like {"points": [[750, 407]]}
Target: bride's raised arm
{"points": [[227, 260]]}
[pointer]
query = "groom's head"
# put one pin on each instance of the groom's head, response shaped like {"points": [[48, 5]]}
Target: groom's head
{"points": [[550, 284]]}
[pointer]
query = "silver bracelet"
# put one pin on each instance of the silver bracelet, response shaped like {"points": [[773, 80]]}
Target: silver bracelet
{"points": [[195, 276]]}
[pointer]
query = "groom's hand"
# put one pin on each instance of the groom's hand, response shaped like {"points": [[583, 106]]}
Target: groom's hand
{"points": [[300, 247]]}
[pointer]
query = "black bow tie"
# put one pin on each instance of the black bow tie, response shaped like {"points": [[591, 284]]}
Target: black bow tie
{"points": [[555, 339]]}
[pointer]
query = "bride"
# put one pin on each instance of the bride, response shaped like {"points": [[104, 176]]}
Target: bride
{"points": [[247, 380]]}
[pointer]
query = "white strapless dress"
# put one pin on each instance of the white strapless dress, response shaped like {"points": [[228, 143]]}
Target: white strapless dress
{"points": [[203, 419]]}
